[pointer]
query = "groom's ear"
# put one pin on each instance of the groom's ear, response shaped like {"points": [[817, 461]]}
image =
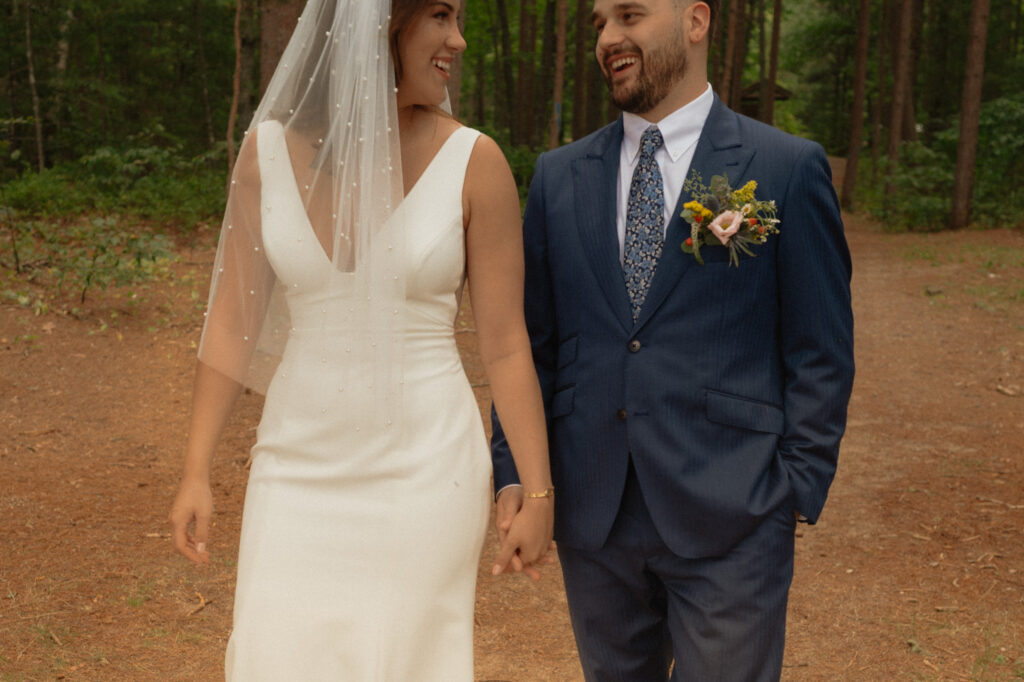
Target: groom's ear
{"points": [[697, 23]]}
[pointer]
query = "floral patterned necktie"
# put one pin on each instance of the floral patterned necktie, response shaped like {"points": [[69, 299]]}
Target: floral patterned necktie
{"points": [[645, 217]]}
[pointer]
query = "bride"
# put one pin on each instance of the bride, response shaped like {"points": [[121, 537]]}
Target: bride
{"points": [[357, 210]]}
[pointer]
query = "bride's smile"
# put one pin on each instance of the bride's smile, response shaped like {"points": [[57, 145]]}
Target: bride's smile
{"points": [[426, 52]]}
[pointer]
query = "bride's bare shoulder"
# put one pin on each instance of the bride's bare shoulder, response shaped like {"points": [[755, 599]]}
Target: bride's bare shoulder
{"points": [[486, 152]]}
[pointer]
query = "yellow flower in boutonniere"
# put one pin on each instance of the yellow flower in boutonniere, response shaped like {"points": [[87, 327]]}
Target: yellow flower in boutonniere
{"points": [[721, 216]]}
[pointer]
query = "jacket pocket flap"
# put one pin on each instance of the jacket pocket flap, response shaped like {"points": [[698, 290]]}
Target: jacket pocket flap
{"points": [[744, 413], [561, 403], [567, 352]]}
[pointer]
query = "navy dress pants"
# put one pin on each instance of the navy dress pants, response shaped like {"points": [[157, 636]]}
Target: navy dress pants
{"points": [[641, 613]]}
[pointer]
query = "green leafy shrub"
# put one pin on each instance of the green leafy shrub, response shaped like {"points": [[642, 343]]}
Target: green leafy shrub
{"points": [[147, 182], [916, 194]]}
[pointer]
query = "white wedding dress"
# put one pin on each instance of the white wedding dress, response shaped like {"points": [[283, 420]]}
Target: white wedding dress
{"points": [[359, 550]]}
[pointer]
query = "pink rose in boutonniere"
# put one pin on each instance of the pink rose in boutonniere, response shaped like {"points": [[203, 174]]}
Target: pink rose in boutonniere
{"points": [[721, 216], [726, 225]]}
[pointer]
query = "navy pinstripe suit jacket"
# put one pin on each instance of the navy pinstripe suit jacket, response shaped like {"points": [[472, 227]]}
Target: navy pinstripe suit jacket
{"points": [[730, 391]]}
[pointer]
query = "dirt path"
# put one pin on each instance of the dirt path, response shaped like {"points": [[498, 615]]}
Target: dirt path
{"points": [[916, 571]]}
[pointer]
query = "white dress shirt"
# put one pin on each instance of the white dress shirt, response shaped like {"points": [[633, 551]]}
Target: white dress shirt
{"points": [[680, 130]]}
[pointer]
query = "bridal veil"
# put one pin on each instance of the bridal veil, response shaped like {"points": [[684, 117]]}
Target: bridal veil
{"points": [[333, 95]]}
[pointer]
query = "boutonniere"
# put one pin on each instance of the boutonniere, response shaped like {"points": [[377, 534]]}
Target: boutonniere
{"points": [[721, 216]]}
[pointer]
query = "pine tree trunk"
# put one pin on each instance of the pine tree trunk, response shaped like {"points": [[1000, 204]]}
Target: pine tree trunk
{"points": [[880, 95], [580, 60], [33, 89], [455, 83], [765, 89], [857, 110], [203, 81], [278, 19], [61, 68], [248, 98], [729, 53], [508, 99], [909, 103], [900, 86], [479, 92], [236, 87], [773, 65], [740, 58], [596, 95], [967, 146], [524, 77], [556, 100], [544, 76]]}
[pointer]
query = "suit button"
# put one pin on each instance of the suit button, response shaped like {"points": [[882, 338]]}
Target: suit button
{"points": [[621, 414], [634, 346]]}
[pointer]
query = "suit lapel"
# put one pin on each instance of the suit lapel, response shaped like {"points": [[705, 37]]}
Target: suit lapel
{"points": [[595, 177], [719, 152]]}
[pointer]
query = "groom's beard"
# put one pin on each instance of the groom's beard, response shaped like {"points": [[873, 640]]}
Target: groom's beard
{"points": [[660, 69]]}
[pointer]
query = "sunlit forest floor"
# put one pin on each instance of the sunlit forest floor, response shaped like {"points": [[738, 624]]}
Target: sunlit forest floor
{"points": [[915, 572]]}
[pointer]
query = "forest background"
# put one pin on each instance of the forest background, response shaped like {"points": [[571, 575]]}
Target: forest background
{"points": [[115, 122], [118, 118]]}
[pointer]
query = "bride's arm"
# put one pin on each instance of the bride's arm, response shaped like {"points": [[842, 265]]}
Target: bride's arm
{"points": [[213, 397], [235, 313], [494, 250]]}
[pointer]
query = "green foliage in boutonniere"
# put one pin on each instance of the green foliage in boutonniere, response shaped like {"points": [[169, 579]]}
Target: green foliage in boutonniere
{"points": [[721, 216]]}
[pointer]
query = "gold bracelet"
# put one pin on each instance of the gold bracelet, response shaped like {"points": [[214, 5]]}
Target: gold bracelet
{"points": [[547, 492]]}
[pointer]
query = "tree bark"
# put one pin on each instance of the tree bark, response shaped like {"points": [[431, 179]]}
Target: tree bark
{"points": [[900, 86], [597, 96], [455, 84], [773, 65], [277, 23], [765, 89], [909, 103], [61, 68], [203, 81], [33, 89], [504, 40], [579, 91], [857, 109], [740, 58], [236, 88], [876, 110], [555, 125], [479, 93], [967, 146], [544, 76], [249, 94], [525, 72], [729, 53]]}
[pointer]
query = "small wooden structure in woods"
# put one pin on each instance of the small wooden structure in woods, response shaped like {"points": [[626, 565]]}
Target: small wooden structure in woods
{"points": [[750, 98]]}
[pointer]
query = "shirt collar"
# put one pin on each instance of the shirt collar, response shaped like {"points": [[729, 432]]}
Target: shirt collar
{"points": [[680, 130]]}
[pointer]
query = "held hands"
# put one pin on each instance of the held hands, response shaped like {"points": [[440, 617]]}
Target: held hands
{"points": [[192, 505], [525, 529]]}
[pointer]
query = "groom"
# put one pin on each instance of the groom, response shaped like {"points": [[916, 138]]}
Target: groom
{"points": [[695, 410]]}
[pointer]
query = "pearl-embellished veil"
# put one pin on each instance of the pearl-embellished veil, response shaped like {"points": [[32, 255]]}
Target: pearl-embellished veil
{"points": [[333, 96]]}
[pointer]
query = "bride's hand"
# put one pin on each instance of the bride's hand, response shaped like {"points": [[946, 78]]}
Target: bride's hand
{"points": [[192, 505], [528, 538]]}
